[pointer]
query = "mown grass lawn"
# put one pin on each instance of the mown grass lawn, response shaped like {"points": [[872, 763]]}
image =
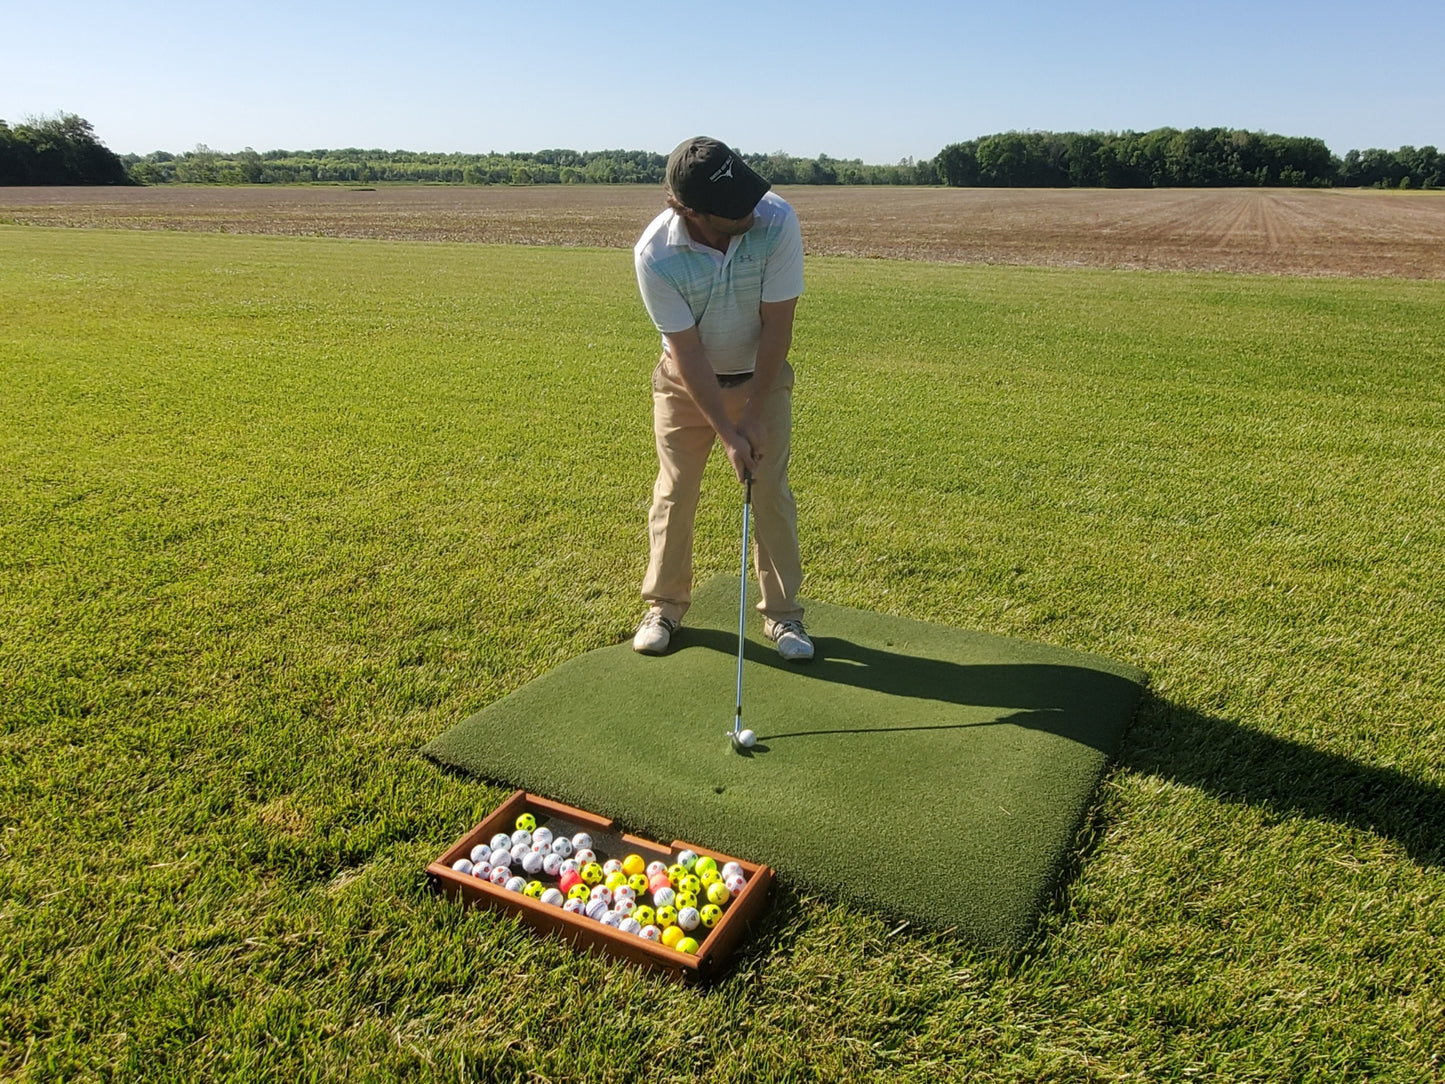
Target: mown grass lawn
{"points": [[278, 511]]}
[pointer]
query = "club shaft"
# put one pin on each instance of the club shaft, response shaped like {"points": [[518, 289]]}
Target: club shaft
{"points": [[743, 596]]}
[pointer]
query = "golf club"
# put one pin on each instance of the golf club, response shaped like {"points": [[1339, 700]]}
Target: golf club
{"points": [[742, 739]]}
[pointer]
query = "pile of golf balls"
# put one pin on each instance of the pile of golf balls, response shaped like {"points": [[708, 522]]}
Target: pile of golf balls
{"points": [[667, 902]]}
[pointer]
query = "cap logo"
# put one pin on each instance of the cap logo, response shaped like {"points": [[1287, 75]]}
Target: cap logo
{"points": [[726, 170]]}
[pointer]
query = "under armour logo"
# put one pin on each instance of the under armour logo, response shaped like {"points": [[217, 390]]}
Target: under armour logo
{"points": [[725, 171]]}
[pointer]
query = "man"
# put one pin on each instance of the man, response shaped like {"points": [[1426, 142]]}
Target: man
{"points": [[720, 272]]}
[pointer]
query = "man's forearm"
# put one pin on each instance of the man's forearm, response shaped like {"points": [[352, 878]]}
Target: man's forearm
{"points": [[773, 346], [773, 350], [701, 383]]}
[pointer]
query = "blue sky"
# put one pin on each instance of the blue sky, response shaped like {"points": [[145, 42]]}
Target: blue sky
{"points": [[877, 81]]}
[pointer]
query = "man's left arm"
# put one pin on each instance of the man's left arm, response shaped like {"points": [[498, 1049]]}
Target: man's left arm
{"points": [[773, 346]]}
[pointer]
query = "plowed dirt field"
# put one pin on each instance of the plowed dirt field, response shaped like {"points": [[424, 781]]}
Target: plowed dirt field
{"points": [[1271, 231]]}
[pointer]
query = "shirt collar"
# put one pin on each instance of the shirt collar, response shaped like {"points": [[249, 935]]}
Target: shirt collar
{"points": [[678, 237]]}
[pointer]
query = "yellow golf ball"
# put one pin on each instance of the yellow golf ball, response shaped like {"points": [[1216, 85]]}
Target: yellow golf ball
{"points": [[718, 893], [704, 864], [633, 863], [526, 822], [711, 915], [615, 879], [687, 945], [671, 935], [690, 884], [666, 917], [591, 873]]}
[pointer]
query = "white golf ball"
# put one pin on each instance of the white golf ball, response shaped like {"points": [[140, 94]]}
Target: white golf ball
{"points": [[584, 855], [516, 884], [562, 847], [596, 909], [500, 876], [731, 869], [520, 850], [664, 897], [612, 918], [689, 918], [481, 853], [612, 865], [521, 837], [656, 868], [575, 907], [582, 841], [650, 933], [553, 897], [735, 883], [601, 892], [568, 865], [501, 842], [551, 865], [747, 739], [623, 906], [542, 836], [630, 925], [501, 859], [624, 892], [462, 865], [481, 870], [532, 862]]}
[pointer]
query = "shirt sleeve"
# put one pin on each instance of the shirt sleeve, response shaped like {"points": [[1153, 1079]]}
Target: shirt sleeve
{"points": [[663, 301], [783, 273]]}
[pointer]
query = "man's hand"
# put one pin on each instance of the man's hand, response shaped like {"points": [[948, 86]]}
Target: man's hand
{"points": [[740, 452], [755, 433]]}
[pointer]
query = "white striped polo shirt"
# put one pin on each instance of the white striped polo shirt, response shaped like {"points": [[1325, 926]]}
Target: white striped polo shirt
{"points": [[685, 283]]}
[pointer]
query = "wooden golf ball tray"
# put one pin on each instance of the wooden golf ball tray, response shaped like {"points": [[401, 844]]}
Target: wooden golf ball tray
{"points": [[715, 946]]}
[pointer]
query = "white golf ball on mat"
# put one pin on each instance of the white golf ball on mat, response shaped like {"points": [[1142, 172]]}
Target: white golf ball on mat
{"points": [[746, 738]]}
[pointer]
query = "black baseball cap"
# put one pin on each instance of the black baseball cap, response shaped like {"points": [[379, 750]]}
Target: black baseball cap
{"points": [[706, 176]]}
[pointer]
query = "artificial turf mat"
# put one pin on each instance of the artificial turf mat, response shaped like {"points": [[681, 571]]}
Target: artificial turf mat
{"points": [[936, 775]]}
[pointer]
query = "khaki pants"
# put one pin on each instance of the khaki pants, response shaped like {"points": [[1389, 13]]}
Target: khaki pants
{"points": [[684, 441]]}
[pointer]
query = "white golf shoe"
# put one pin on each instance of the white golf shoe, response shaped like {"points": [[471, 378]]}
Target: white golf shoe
{"points": [[793, 642], [654, 634]]}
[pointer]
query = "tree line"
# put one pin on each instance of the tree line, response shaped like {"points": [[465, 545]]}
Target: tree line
{"points": [[57, 150], [1175, 158], [355, 166], [65, 150], [1162, 158]]}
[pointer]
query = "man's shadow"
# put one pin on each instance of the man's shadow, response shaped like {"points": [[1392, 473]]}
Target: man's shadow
{"points": [[1226, 759]]}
